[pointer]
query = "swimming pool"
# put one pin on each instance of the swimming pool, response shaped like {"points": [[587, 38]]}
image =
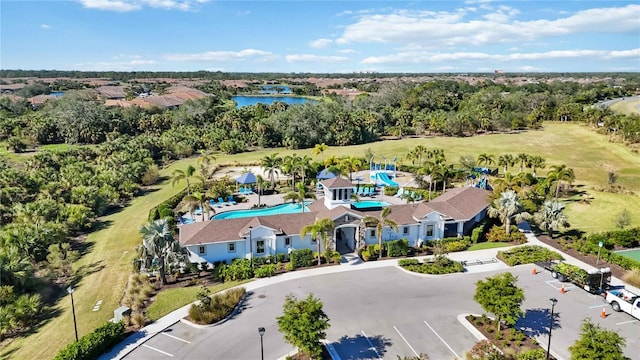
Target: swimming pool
{"points": [[631, 254], [289, 208], [369, 204]]}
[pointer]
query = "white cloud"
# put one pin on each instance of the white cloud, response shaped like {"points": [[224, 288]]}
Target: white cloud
{"points": [[320, 43], [46, 27], [133, 5], [222, 56], [123, 56], [315, 58], [422, 57], [496, 25], [347, 51]]}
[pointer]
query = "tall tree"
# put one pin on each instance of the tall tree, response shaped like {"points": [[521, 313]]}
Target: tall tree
{"points": [[506, 160], [522, 159], [186, 175], [486, 159], [271, 164], [351, 164], [319, 149], [320, 228], [560, 174], [550, 216], [196, 201], [159, 245], [380, 224], [597, 343], [507, 208], [536, 162], [500, 296], [299, 196], [303, 324]]}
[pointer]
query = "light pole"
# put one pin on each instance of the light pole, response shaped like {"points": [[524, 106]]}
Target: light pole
{"points": [[261, 331], [554, 301], [70, 290], [251, 247]]}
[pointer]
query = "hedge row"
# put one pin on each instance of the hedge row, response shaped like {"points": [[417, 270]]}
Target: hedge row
{"points": [[165, 209], [439, 265], [94, 344], [527, 254]]}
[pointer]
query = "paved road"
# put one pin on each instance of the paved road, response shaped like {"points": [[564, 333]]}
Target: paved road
{"points": [[386, 312]]}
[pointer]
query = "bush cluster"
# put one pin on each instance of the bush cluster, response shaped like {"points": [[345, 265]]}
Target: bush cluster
{"points": [[499, 234], [213, 309], [527, 254], [610, 239], [265, 271], [240, 269], [94, 344], [301, 258], [439, 265], [397, 248]]}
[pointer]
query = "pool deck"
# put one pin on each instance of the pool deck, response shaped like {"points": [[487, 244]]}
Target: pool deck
{"points": [[277, 199]]}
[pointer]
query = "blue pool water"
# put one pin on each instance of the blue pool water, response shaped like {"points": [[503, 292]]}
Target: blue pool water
{"points": [[369, 204], [243, 101], [289, 208]]}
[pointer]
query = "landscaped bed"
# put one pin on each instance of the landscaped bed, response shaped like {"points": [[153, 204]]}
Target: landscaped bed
{"points": [[439, 265], [527, 254]]}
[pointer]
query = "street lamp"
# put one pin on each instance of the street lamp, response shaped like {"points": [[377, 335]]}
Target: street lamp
{"points": [[70, 290], [554, 301], [261, 331]]}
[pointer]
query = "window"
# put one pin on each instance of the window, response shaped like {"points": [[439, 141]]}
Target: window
{"points": [[202, 249], [232, 247], [287, 241], [372, 233], [429, 230], [405, 230], [260, 247]]}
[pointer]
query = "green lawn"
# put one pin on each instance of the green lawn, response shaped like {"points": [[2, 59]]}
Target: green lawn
{"points": [[591, 155], [487, 245], [171, 299], [629, 106]]}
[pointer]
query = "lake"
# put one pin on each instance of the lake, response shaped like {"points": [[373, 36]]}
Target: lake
{"points": [[243, 101]]}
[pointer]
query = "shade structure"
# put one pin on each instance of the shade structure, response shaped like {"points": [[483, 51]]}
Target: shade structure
{"points": [[246, 178], [325, 174]]}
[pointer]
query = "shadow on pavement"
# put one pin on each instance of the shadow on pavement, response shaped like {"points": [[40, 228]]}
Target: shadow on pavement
{"points": [[536, 322], [361, 347]]}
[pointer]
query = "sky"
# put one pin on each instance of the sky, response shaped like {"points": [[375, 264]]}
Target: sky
{"points": [[321, 36]]}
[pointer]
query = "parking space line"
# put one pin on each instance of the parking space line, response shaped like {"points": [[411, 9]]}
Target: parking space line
{"points": [[567, 287], [371, 344], [158, 350], [598, 306], [175, 337], [332, 351], [626, 322], [441, 339], [405, 340]]}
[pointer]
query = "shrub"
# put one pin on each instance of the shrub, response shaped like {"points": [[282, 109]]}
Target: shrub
{"points": [[265, 271], [527, 254], [397, 248], [499, 234], [94, 344], [440, 265], [366, 256], [302, 258], [407, 262], [240, 269], [531, 354], [138, 319], [458, 245], [632, 277], [336, 257], [282, 258], [373, 250]]}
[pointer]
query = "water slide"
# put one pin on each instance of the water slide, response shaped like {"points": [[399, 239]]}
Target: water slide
{"points": [[384, 178]]}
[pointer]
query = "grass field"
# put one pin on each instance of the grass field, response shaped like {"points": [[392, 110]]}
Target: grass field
{"points": [[591, 156], [630, 106]]}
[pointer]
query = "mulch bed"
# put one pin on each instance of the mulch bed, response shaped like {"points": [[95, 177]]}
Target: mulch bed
{"points": [[300, 356], [616, 270], [507, 342]]}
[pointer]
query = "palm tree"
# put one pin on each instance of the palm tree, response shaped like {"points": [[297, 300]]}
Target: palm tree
{"points": [[507, 207], [536, 162], [420, 151], [322, 228], [510, 182], [300, 195], [271, 164], [485, 159], [560, 174], [522, 158], [205, 162], [505, 161], [319, 149], [550, 217], [370, 221], [179, 175], [429, 170], [157, 243], [291, 166], [196, 201], [351, 164]]}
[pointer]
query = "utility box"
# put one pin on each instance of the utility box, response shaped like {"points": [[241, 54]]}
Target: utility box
{"points": [[120, 312]]}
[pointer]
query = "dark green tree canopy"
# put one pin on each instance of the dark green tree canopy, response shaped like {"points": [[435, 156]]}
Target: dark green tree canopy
{"points": [[500, 296], [597, 343], [303, 323]]}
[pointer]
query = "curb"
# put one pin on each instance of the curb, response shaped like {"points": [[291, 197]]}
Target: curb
{"points": [[235, 310]]}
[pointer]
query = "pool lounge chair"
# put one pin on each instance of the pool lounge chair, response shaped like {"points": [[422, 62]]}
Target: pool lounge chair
{"points": [[222, 202], [371, 191], [230, 200], [399, 193], [214, 204], [185, 221]]}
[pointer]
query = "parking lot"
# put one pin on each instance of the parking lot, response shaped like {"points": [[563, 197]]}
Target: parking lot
{"points": [[384, 313]]}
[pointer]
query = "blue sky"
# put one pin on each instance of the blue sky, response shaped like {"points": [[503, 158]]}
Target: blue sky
{"points": [[320, 36]]}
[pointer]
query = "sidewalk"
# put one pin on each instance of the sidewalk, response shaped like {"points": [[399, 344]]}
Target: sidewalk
{"points": [[472, 257]]}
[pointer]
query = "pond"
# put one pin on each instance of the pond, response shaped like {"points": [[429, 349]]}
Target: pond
{"points": [[243, 101]]}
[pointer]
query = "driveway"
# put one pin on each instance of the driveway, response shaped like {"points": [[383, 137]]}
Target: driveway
{"points": [[385, 313]]}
